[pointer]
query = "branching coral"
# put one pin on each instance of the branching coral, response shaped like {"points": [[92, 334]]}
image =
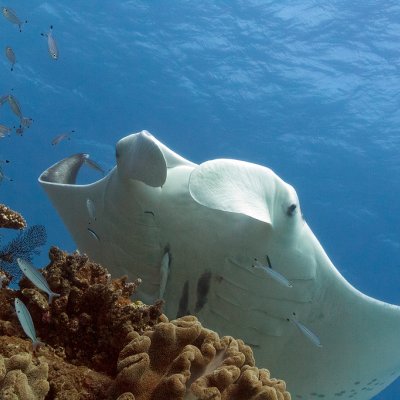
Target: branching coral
{"points": [[181, 360], [94, 313], [22, 379], [24, 246], [11, 219]]}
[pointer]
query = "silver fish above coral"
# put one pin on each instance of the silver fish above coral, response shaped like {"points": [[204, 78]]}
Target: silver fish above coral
{"points": [[62, 136], [26, 322], [34, 275]]}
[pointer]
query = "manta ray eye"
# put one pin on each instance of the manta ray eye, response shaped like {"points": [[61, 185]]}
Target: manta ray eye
{"points": [[291, 209]]}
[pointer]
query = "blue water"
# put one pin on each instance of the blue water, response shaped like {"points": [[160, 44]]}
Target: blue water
{"points": [[310, 89]]}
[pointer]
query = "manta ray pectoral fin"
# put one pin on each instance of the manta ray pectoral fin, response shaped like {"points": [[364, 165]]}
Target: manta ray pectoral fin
{"points": [[235, 186], [140, 157]]}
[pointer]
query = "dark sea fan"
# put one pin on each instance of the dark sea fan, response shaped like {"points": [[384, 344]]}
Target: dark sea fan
{"points": [[24, 246]]}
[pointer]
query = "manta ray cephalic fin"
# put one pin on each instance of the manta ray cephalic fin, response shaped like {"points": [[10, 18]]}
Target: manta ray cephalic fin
{"points": [[139, 157]]}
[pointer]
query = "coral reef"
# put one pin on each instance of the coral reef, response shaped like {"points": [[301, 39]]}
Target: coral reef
{"points": [[11, 219], [24, 246], [181, 360], [99, 344], [23, 378]]}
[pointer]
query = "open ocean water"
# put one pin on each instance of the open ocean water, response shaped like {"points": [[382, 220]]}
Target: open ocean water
{"points": [[310, 89]]}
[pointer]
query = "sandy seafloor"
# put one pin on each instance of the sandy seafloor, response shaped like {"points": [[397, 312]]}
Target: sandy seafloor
{"points": [[310, 90]]}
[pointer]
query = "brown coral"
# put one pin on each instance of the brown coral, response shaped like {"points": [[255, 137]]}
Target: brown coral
{"points": [[11, 219], [66, 381], [182, 360], [101, 345], [93, 314], [21, 378]]}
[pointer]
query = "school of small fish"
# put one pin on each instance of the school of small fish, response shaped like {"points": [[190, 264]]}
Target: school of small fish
{"points": [[11, 99]]}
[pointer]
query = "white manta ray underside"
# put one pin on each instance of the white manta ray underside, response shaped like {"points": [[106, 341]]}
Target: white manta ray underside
{"points": [[226, 241]]}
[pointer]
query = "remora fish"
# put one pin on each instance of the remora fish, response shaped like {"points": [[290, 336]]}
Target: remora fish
{"points": [[36, 278], [11, 56], [12, 17], [51, 44], [306, 332], [26, 322], [272, 273]]}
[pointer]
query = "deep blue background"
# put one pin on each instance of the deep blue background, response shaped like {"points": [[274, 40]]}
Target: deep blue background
{"points": [[310, 89]]}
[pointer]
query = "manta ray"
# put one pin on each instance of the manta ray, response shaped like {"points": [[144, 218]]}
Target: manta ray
{"points": [[226, 241]]}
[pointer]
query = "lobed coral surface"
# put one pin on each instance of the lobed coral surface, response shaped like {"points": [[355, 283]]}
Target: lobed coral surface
{"points": [[99, 344]]}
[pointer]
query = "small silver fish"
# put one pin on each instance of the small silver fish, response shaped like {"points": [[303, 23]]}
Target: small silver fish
{"points": [[36, 278], [51, 44], [15, 107], [62, 136], [26, 322], [3, 99], [306, 332], [2, 176], [20, 130], [11, 57], [4, 131], [92, 164], [272, 273], [12, 17], [26, 122]]}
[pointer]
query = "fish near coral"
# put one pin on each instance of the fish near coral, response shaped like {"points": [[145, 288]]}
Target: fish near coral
{"points": [[26, 322], [36, 278], [302, 318]]}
